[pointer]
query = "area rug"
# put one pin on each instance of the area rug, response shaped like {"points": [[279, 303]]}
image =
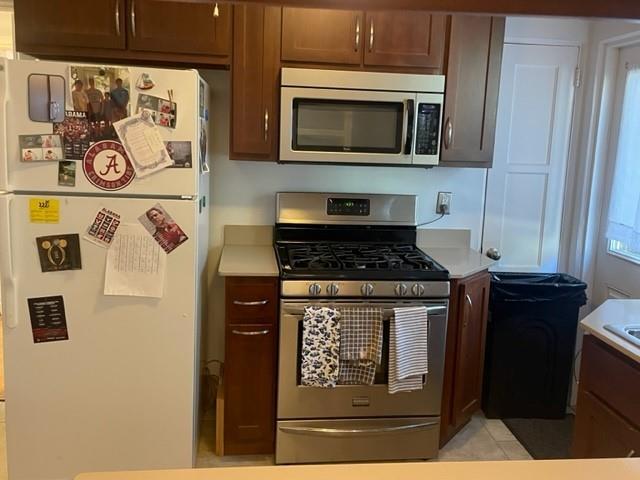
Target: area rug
{"points": [[543, 439]]}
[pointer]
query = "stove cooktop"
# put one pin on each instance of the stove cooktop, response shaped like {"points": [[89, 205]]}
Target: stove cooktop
{"points": [[358, 261]]}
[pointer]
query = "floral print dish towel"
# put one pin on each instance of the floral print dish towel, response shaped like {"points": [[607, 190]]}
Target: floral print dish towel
{"points": [[320, 347]]}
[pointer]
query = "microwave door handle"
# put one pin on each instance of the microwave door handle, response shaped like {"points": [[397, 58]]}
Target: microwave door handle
{"points": [[408, 144]]}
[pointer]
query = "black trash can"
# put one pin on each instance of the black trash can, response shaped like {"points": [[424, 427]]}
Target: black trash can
{"points": [[531, 336]]}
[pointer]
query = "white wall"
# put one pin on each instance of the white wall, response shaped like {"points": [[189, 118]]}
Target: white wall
{"points": [[243, 192]]}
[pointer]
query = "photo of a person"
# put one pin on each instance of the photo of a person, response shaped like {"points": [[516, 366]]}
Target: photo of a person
{"points": [[79, 97], [27, 156], [96, 100], [50, 155], [163, 228], [120, 99]]}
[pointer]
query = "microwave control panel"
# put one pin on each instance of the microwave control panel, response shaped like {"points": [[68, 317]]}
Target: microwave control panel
{"points": [[428, 129]]}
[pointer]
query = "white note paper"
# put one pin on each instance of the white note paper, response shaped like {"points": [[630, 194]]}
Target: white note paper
{"points": [[135, 264], [143, 143]]}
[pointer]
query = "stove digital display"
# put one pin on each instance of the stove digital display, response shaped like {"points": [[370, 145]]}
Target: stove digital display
{"points": [[360, 207]]}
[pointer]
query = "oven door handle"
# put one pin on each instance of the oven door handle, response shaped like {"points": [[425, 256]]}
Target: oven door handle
{"points": [[345, 432], [298, 311]]}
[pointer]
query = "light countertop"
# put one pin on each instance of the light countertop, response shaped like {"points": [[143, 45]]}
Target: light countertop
{"points": [[620, 469], [461, 262], [248, 261], [624, 312]]}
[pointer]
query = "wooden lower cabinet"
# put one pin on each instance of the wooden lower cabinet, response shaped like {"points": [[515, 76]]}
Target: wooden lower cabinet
{"points": [[250, 366], [464, 357], [607, 421]]}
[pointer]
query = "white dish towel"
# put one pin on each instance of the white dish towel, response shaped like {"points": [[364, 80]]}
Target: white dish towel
{"points": [[408, 349]]}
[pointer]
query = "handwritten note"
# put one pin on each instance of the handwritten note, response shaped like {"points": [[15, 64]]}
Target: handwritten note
{"points": [[135, 264], [143, 143]]}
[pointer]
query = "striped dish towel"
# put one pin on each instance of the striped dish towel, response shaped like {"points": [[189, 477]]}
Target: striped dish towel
{"points": [[408, 349], [360, 345]]}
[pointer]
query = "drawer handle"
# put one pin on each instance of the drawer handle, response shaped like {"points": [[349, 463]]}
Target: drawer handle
{"points": [[251, 333], [343, 432], [448, 136], [357, 39], [631, 453], [250, 304], [117, 18], [132, 17]]}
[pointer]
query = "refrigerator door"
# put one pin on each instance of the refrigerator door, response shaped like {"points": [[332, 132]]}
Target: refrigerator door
{"points": [[120, 393], [30, 91]]}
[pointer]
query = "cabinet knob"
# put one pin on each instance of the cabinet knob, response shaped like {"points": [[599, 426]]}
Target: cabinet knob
{"points": [[266, 124], [494, 254]]}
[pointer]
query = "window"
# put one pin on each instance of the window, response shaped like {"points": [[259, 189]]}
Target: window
{"points": [[623, 229]]}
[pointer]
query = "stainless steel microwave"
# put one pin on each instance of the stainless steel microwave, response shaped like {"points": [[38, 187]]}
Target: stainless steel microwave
{"points": [[360, 117]]}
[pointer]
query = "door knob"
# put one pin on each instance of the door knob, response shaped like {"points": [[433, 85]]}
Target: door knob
{"points": [[494, 254]]}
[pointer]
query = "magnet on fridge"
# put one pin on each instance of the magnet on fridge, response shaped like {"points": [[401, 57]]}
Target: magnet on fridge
{"points": [[145, 82], [38, 148], [67, 173], [48, 319], [206, 114], [59, 252], [46, 96]]}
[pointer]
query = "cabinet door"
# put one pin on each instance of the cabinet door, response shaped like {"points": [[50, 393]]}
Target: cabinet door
{"points": [[70, 23], [601, 433], [180, 27], [249, 383], [473, 305], [405, 39], [471, 100], [322, 36], [254, 83]]}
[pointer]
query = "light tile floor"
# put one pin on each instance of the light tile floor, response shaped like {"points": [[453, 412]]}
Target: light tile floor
{"points": [[481, 439]]}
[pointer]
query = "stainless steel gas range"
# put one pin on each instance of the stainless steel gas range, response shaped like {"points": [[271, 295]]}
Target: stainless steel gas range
{"points": [[344, 250]]}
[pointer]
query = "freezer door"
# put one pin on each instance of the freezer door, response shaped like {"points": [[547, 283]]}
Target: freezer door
{"points": [[120, 393], [23, 82]]}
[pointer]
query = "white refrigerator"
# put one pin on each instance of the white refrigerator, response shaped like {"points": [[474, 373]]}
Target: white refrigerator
{"points": [[116, 385]]}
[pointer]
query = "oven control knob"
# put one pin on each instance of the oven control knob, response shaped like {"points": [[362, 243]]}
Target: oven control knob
{"points": [[315, 289], [401, 289], [367, 289], [417, 290], [333, 289]]}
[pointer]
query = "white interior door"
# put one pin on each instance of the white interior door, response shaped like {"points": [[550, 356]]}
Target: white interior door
{"points": [[617, 272], [525, 187]]}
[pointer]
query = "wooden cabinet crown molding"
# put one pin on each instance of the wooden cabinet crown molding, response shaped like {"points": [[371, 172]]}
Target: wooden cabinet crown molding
{"points": [[629, 9]]}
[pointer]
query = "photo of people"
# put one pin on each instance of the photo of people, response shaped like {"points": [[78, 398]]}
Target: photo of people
{"points": [[67, 173], [76, 134], [101, 92], [180, 153], [36, 148], [163, 228], [163, 112]]}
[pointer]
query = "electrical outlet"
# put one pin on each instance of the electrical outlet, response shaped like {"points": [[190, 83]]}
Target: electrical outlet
{"points": [[443, 204]]}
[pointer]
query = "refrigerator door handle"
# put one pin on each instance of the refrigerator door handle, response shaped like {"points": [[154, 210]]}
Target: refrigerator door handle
{"points": [[4, 96], [10, 301]]}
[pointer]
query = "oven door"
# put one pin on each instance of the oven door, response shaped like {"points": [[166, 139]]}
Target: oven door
{"points": [[350, 401], [346, 126]]}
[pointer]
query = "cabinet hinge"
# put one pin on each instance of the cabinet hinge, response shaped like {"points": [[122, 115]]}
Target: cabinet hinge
{"points": [[577, 79]]}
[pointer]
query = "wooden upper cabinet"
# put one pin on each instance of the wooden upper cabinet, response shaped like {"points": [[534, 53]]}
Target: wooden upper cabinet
{"points": [[255, 74], [322, 36], [471, 101], [472, 308], [179, 27], [69, 23], [405, 39]]}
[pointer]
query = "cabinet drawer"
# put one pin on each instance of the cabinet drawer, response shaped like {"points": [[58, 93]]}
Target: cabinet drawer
{"points": [[251, 300], [611, 376]]}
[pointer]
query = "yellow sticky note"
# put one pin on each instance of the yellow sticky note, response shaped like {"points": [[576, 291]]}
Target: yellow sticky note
{"points": [[44, 210]]}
